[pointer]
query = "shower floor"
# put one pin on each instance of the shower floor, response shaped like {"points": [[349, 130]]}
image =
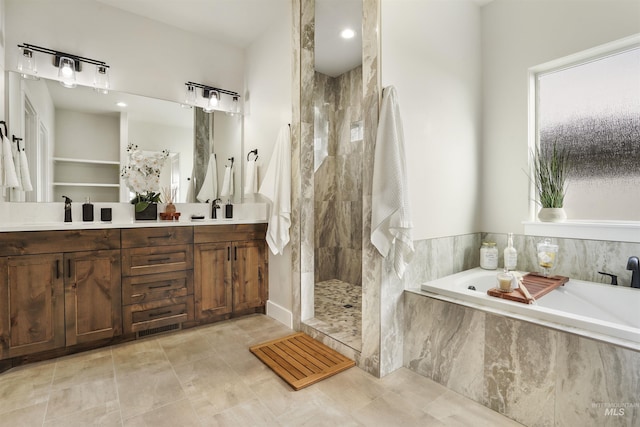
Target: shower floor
{"points": [[338, 311]]}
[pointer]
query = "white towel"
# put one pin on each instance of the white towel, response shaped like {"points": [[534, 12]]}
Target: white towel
{"points": [[209, 189], [276, 186], [9, 176], [25, 177], [390, 217], [251, 178], [227, 182]]}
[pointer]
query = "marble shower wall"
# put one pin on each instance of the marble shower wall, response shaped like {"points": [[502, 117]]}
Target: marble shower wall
{"points": [[338, 178], [535, 375], [202, 147]]}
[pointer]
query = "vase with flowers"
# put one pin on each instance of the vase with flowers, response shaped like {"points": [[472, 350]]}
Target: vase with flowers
{"points": [[142, 176]]}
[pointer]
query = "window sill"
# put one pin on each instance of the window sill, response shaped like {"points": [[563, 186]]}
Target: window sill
{"points": [[588, 230]]}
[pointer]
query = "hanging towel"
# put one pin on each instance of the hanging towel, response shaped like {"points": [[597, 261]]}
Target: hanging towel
{"points": [[390, 217], [25, 177], [251, 178], [209, 189], [276, 186], [227, 182], [9, 176]]}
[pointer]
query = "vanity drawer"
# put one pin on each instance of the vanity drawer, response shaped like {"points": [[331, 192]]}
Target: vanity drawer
{"points": [[138, 289], [154, 314], [157, 259], [156, 236]]}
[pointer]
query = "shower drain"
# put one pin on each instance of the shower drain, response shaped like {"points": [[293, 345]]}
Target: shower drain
{"points": [[347, 306]]}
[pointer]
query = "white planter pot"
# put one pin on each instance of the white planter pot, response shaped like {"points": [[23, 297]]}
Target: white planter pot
{"points": [[552, 215]]}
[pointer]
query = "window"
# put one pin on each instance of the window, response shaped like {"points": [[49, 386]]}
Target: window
{"points": [[592, 107]]}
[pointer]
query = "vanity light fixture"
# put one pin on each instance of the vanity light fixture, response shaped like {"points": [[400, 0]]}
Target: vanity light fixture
{"points": [[68, 65], [27, 64], [215, 98]]}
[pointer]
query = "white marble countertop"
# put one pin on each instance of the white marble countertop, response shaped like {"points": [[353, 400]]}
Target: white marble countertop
{"points": [[95, 225], [49, 216]]}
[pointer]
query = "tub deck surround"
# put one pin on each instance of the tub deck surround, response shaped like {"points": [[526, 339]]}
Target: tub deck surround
{"points": [[593, 310], [534, 374]]}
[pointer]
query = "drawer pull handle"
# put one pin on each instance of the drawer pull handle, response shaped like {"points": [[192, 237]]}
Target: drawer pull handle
{"points": [[161, 313], [157, 260], [168, 285], [166, 236]]}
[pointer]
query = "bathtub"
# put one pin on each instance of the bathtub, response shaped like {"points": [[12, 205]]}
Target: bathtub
{"points": [[604, 312]]}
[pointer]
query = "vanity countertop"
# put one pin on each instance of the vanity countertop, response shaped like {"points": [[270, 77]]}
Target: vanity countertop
{"points": [[38, 216], [80, 225]]}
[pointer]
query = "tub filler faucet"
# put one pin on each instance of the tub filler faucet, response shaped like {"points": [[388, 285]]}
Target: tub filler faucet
{"points": [[634, 266]]}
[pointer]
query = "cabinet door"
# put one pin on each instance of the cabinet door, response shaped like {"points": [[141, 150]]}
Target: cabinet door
{"points": [[248, 275], [93, 296], [212, 280], [31, 304]]}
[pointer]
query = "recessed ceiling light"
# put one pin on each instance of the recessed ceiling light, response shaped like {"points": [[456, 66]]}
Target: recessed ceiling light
{"points": [[347, 33], [121, 104]]}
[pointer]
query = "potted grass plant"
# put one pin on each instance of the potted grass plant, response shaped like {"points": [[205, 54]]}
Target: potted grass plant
{"points": [[550, 167]]}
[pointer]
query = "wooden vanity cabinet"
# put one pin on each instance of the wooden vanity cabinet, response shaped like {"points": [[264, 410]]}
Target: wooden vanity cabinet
{"points": [[230, 270], [50, 297], [157, 275]]}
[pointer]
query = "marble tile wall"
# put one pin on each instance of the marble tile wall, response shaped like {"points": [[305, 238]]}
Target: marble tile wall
{"points": [[530, 373], [338, 179]]}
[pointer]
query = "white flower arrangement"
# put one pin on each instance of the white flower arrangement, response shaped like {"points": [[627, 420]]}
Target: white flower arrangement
{"points": [[142, 175]]}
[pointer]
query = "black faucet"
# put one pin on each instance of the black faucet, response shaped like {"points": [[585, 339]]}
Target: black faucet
{"points": [[67, 209], [214, 208], [634, 266]]}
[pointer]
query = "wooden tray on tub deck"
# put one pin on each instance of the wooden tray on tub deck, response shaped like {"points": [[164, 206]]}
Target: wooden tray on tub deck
{"points": [[536, 284]]}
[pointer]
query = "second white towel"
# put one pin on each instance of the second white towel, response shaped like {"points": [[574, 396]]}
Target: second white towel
{"points": [[9, 176], [251, 178], [227, 182]]}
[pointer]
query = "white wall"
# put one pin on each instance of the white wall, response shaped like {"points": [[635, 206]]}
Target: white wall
{"points": [[268, 107], [146, 57], [431, 54], [517, 35], [157, 137]]}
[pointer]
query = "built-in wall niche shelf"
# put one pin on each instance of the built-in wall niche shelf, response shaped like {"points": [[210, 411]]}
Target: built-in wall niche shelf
{"points": [[80, 178], [86, 161], [84, 184]]}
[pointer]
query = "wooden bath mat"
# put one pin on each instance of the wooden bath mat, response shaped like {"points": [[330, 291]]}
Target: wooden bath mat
{"points": [[300, 360], [536, 284]]}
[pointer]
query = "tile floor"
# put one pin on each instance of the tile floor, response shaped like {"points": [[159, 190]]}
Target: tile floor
{"points": [[332, 317], [206, 376]]}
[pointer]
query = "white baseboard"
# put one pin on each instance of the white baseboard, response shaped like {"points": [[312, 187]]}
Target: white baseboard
{"points": [[280, 313]]}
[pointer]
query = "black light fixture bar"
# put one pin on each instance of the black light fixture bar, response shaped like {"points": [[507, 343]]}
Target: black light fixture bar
{"points": [[208, 89], [57, 55]]}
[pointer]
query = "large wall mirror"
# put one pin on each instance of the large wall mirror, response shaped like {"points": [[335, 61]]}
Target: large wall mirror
{"points": [[338, 160], [75, 140]]}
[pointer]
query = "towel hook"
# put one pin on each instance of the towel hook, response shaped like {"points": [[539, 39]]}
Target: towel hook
{"points": [[231, 159], [252, 152], [16, 140]]}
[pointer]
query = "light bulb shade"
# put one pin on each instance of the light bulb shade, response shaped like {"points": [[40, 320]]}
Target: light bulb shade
{"points": [[235, 105], [101, 80], [190, 96], [212, 103], [67, 72], [27, 63]]}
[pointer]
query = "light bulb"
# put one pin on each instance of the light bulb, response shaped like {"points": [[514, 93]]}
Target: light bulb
{"points": [[347, 33], [190, 97], [212, 103], [67, 72]]}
